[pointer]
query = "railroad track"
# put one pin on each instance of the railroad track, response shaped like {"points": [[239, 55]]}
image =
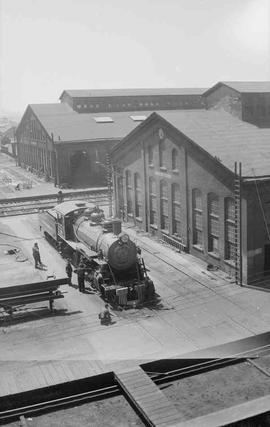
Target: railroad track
{"points": [[159, 378], [34, 204]]}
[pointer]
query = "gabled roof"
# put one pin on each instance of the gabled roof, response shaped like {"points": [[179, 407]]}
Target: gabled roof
{"points": [[87, 93], [222, 136], [68, 126], [10, 132], [51, 109], [242, 87]]}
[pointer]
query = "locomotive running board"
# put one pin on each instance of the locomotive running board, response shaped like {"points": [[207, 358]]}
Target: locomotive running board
{"points": [[84, 250]]}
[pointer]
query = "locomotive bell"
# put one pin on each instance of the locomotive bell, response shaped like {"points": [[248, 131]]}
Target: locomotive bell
{"points": [[96, 216]]}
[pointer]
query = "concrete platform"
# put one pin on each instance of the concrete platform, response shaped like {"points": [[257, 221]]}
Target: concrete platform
{"points": [[198, 310]]}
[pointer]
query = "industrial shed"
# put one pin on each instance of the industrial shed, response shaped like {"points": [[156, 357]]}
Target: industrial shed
{"points": [[174, 177]]}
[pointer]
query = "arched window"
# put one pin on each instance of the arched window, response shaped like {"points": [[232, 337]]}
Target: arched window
{"points": [[164, 214], [197, 217], [150, 154], [138, 196], [152, 201], [213, 223], [129, 192], [175, 159], [176, 210], [162, 151], [230, 245]]}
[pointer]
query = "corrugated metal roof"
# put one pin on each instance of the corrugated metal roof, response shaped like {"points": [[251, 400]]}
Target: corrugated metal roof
{"points": [[225, 137], [70, 126], [243, 87], [86, 93], [51, 109]]}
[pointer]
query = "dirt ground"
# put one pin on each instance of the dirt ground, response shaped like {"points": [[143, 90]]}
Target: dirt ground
{"points": [[218, 389], [113, 412]]}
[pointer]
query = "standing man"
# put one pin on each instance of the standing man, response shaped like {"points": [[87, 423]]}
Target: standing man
{"points": [[69, 270], [81, 277], [36, 256], [60, 196]]}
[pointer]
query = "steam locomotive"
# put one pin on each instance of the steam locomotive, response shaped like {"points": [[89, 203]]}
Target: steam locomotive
{"points": [[112, 260]]}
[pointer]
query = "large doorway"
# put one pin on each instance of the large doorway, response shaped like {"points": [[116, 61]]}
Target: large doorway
{"points": [[80, 170], [267, 259]]}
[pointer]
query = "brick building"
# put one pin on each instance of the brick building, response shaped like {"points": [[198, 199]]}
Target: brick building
{"points": [[249, 101], [174, 177], [107, 100]]}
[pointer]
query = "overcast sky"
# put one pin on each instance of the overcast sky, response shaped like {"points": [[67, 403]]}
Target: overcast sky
{"points": [[47, 46]]}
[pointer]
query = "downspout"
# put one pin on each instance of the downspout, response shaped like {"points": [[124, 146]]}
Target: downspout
{"points": [[187, 202], [145, 187]]}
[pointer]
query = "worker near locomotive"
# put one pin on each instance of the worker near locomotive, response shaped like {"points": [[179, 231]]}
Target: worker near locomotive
{"points": [[111, 260]]}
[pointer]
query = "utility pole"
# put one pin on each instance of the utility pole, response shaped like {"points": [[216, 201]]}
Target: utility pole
{"points": [[109, 183]]}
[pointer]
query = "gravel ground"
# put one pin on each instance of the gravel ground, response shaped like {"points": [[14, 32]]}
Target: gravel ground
{"points": [[218, 389], [113, 412]]}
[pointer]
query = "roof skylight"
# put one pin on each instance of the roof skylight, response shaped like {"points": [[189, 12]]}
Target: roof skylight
{"points": [[103, 120], [138, 118]]}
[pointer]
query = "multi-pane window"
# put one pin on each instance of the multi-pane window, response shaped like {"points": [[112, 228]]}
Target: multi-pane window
{"points": [[176, 210], [164, 214], [129, 192], [162, 163], [152, 201], [230, 229], [197, 217], [213, 223], [175, 159], [138, 196], [150, 154]]}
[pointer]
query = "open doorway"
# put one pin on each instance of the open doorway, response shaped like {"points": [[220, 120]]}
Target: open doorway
{"points": [[80, 169]]}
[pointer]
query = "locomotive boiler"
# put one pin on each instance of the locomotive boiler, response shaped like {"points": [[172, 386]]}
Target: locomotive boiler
{"points": [[107, 240]]}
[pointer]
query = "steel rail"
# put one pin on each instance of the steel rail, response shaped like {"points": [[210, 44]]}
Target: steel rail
{"points": [[104, 392], [34, 205]]}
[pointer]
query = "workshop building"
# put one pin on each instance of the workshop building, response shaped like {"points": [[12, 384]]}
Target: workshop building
{"points": [[69, 148], [174, 177], [107, 100], [249, 101]]}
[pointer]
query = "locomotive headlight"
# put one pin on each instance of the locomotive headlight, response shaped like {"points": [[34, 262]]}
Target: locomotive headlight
{"points": [[124, 238]]}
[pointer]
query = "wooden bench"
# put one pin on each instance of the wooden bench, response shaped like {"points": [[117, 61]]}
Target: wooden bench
{"points": [[12, 296]]}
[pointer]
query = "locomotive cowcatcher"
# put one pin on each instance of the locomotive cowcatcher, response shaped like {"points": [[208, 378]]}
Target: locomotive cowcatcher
{"points": [[112, 261]]}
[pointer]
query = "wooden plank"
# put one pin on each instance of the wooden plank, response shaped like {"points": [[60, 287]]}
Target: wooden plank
{"points": [[69, 375], [54, 372], [44, 376], [147, 397], [35, 285], [61, 373], [51, 373], [139, 391]]}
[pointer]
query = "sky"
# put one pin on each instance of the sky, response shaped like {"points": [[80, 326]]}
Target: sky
{"points": [[47, 46]]}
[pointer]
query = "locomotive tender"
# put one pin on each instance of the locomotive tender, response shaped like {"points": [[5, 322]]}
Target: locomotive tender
{"points": [[111, 258]]}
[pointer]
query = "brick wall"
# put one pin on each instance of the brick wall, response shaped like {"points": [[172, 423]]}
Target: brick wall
{"points": [[225, 98], [196, 171]]}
